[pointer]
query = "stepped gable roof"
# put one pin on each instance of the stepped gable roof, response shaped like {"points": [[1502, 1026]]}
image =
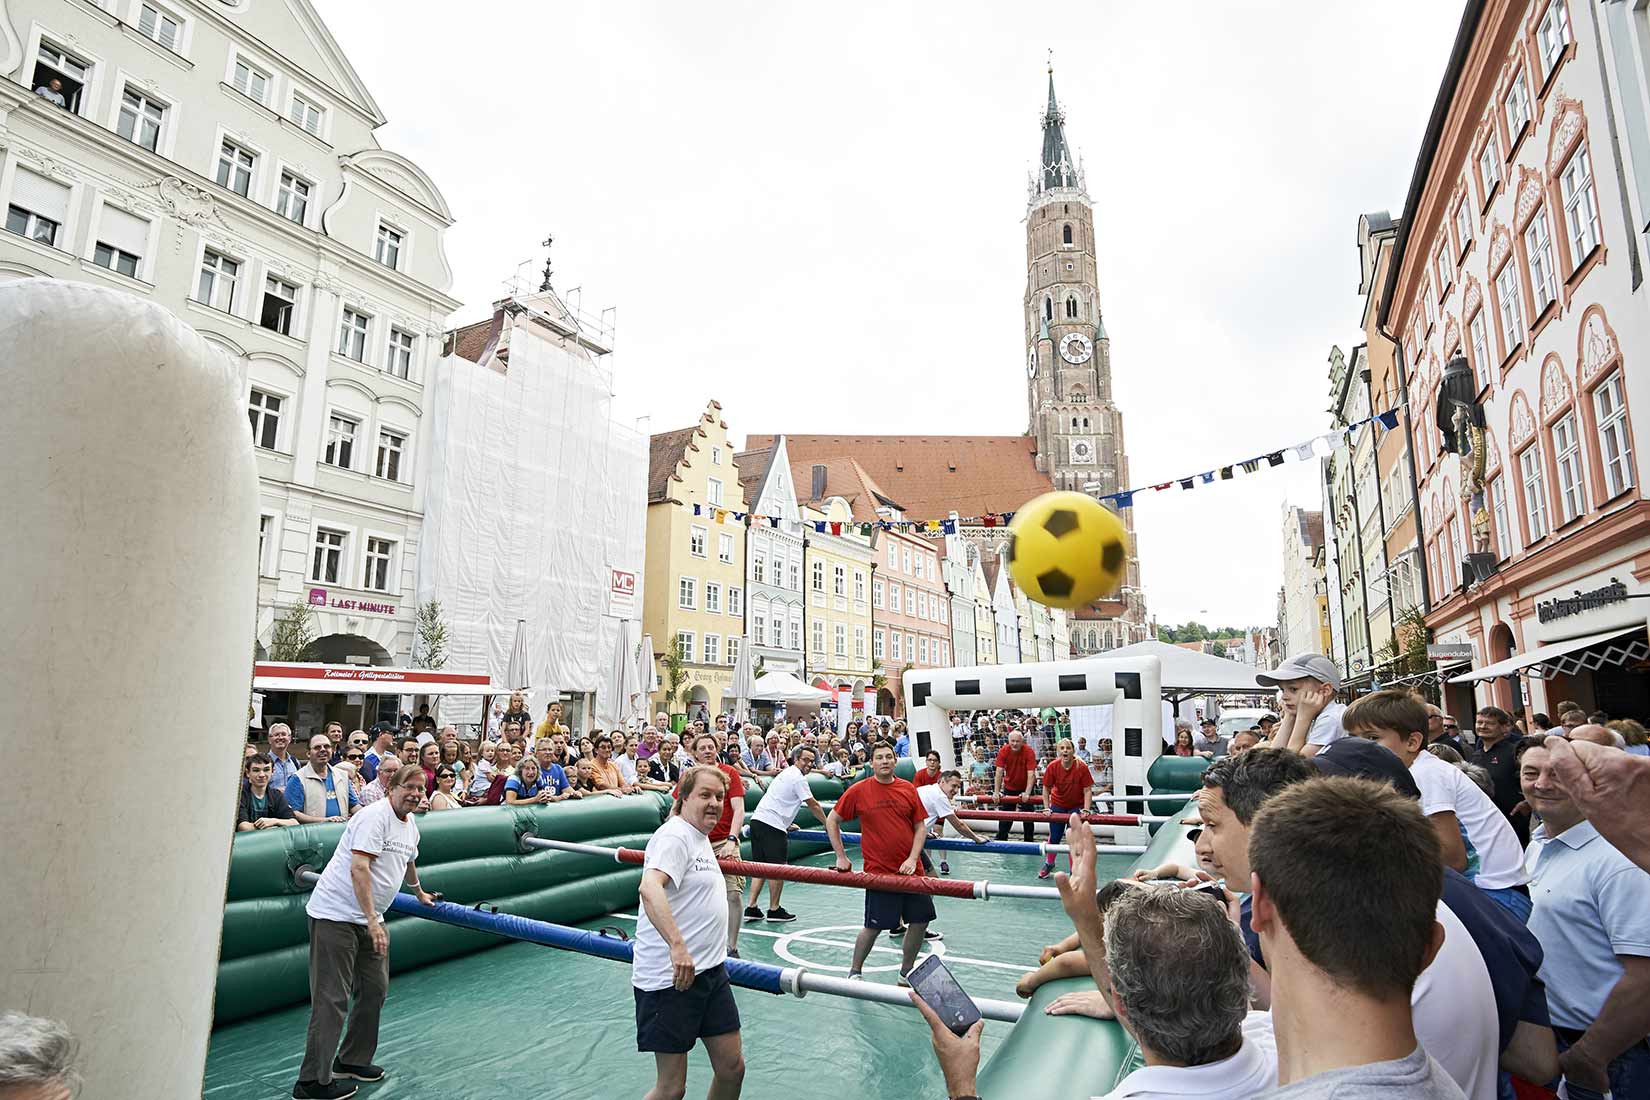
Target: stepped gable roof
{"points": [[929, 475], [665, 452]]}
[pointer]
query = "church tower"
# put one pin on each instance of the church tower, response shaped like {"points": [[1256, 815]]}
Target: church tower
{"points": [[1078, 430]]}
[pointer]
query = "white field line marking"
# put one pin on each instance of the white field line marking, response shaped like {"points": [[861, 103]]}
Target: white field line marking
{"points": [[798, 937]]}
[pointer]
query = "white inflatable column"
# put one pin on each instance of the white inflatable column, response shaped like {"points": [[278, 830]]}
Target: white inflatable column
{"points": [[128, 539]]}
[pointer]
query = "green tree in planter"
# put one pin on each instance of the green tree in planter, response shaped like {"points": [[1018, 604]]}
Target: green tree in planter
{"points": [[430, 650], [293, 634]]}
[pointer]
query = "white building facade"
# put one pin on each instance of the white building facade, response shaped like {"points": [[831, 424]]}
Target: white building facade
{"points": [[1302, 538], [774, 610], [219, 158]]}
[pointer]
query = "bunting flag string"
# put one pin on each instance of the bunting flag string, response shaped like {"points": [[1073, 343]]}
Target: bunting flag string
{"points": [[1326, 444]]}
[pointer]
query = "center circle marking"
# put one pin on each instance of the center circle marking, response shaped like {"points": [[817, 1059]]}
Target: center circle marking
{"points": [[782, 948]]}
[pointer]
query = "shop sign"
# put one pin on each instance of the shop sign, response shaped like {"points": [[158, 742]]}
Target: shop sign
{"points": [[319, 597], [621, 598], [1449, 651], [1563, 607]]}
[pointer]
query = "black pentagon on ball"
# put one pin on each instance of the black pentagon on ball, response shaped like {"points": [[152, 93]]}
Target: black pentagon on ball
{"points": [[1061, 522], [1011, 540], [1111, 556], [1056, 583]]}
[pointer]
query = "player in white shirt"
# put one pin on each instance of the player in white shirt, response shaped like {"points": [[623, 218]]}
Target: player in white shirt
{"points": [[678, 969], [771, 821]]}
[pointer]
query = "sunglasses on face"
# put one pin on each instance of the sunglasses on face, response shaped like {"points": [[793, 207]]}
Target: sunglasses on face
{"points": [[354, 756]]}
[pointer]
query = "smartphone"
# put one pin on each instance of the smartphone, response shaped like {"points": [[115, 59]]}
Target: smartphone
{"points": [[935, 985], [1214, 889]]}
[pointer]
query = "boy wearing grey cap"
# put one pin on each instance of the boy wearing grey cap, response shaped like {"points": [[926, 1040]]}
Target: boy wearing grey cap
{"points": [[1306, 689]]}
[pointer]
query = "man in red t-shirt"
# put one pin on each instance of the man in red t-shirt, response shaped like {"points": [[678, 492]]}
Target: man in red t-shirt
{"points": [[724, 839], [1016, 769], [1067, 789], [892, 828]]}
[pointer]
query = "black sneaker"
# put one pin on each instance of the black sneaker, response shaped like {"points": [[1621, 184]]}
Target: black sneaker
{"points": [[896, 933], [357, 1073], [931, 935], [780, 915], [752, 913], [733, 952], [332, 1090]]}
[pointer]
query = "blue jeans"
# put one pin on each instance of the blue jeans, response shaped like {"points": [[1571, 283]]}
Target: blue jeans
{"points": [[1057, 827], [1629, 1071], [1513, 900]]}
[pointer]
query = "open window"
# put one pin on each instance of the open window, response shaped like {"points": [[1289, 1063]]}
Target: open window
{"points": [[70, 73]]}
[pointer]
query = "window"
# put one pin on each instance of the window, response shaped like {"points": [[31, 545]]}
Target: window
{"points": [[1517, 107], [778, 631], [940, 604], [1614, 444], [910, 600], [305, 113], [1512, 311], [1441, 266], [907, 557], [839, 580], [713, 597], [1065, 233], [28, 224], [1463, 226], [684, 646], [859, 643], [1489, 165], [796, 633], [716, 456], [1538, 244], [390, 448], [386, 247], [686, 590], [341, 441], [140, 119], [840, 634], [696, 543], [264, 409], [733, 650], [250, 81], [736, 600], [818, 632], [292, 198], [893, 646], [402, 343], [759, 569], [893, 556], [352, 335], [1572, 500], [39, 207], [1504, 539], [879, 641], [1071, 306], [713, 491], [1580, 206], [818, 576], [724, 549], [160, 26], [793, 575], [327, 565], [1455, 549], [265, 522], [53, 62], [893, 596], [379, 553], [922, 649], [1535, 492], [876, 594], [280, 302], [235, 166], [1479, 333], [859, 585], [713, 649], [217, 282], [1553, 35]]}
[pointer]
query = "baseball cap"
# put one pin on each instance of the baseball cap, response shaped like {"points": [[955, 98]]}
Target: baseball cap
{"points": [[1362, 758], [1306, 666]]}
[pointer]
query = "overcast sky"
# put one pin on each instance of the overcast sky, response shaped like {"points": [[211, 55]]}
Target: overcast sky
{"points": [[813, 213]]}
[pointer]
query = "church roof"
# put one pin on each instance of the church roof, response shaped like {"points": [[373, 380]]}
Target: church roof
{"points": [[1057, 167], [930, 476]]}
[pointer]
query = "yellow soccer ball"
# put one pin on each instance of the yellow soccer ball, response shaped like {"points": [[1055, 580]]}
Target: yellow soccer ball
{"points": [[1066, 550]]}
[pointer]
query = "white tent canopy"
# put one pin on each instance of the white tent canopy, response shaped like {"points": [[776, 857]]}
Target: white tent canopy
{"points": [[783, 687], [1188, 672]]}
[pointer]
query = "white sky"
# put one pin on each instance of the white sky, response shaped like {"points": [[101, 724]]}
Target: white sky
{"points": [[813, 213]]}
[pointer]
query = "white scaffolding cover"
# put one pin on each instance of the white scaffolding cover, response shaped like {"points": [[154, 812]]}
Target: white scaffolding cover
{"points": [[535, 496]]}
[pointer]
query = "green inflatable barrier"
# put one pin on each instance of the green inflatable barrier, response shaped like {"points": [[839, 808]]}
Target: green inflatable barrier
{"points": [[1176, 773]]}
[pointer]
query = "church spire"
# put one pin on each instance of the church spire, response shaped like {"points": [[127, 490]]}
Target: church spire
{"points": [[1058, 168]]}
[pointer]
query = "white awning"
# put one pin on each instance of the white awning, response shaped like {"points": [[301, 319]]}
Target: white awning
{"points": [[1547, 654], [368, 680]]}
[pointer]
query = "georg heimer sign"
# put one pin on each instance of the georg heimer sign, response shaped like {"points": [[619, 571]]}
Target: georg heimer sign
{"points": [[1563, 607]]}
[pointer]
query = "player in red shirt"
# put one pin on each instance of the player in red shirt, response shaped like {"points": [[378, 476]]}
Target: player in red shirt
{"points": [[724, 839], [1067, 789], [892, 829], [929, 774], [1016, 770]]}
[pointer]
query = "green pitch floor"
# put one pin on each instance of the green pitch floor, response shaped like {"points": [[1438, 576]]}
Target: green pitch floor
{"points": [[527, 1020]]}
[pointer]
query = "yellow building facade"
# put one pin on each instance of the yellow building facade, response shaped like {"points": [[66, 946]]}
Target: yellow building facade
{"points": [[694, 596]]}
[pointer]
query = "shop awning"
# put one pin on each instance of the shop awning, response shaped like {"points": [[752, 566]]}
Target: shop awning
{"points": [[1565, 657], [368, 680]]}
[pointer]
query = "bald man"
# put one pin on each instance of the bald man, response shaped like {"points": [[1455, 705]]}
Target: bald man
{"points": [[1598, 735]]}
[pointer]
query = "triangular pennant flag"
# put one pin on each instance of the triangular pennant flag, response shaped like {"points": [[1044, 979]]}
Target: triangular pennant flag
{"points": [[1208, 476], [933, 525], [1275, 458], [819, 526], [988, 520], [1389, 419], [1165, 485], [1303, 451], [1226, 473], [1186, 482], [865, 529], [836, 527], [773, 521], [1006, 517]]}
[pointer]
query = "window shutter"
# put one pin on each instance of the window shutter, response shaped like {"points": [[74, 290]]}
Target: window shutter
{"points": [[41, 196], [123, 231]]}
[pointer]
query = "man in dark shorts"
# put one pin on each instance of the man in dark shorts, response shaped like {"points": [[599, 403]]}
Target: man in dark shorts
{"points": [[892, 830], [771, 823], [1015, 774]]}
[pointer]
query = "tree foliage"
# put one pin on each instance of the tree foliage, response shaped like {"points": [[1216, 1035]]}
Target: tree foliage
{"points": [[1194, 631], [293, 634], [675, 677], [430, 641]]}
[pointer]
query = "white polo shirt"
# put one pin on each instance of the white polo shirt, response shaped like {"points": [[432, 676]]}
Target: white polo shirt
{"points": [[698, 903], [1252, 1071], [1494, 860], [934, 803], [783, 799]]}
